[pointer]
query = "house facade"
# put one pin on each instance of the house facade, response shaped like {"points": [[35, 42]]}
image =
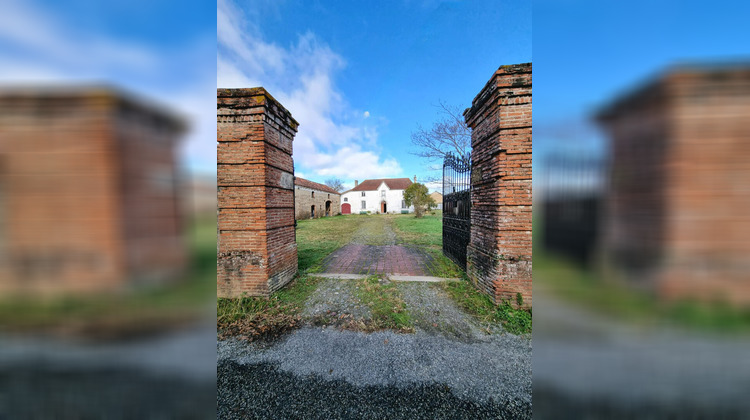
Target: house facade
{"points": [[313, 200], [377, 196]]}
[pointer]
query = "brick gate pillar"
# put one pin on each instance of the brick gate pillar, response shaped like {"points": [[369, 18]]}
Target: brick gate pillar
{"points": [[499, 253], [257, 252]]}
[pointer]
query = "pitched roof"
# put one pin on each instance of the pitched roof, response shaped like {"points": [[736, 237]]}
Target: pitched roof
{"points": [[373, 184], [302, 182]]}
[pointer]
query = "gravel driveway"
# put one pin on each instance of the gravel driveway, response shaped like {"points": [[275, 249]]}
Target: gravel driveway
{"points": [[449, 368]]}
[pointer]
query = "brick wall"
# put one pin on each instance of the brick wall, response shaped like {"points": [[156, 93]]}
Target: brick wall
{"points": [[499, 252], [303, 200], [150, 185], [87, 195], [676, 213], [257, 252]]}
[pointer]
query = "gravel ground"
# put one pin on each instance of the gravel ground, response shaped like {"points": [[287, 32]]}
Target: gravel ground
{"points": [[434, 312], [326, 373], [313, 397], [54, 391], [590, 365], [448, 369], [335, 297], [168, 376]]}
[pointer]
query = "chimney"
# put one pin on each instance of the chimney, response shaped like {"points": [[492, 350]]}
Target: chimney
{"points": [[356, 183], [415, 178]]}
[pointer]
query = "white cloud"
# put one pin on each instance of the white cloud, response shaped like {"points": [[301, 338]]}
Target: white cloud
{"points": [[332, 139], [42, 48], [40, 39]]}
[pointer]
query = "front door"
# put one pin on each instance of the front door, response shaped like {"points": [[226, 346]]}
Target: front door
{"points": [[346, 208], [383, 207]]}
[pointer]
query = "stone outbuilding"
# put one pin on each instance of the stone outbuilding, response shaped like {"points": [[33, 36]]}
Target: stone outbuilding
{"points": [[438, 198], [313, 200]]}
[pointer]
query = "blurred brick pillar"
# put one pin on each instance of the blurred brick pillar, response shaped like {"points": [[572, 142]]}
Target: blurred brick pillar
{"points": [[257, 252], [676, 218], [88, 191], [499, 253]]}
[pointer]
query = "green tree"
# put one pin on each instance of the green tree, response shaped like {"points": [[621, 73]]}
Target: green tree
{"points": [[417, 195]]}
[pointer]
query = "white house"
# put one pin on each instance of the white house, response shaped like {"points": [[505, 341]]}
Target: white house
{"points": [[377, 196]]}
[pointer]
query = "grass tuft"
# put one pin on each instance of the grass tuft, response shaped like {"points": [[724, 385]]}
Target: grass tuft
{"points": [[386, 305], [254, 317], [481, 306]]}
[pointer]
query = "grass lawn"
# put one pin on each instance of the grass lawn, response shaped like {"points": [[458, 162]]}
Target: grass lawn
{"points": [[426, 232], [583, 286], [139, 311], [316, 238]]}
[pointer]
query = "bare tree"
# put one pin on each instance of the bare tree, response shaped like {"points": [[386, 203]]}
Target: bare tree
{"points": [[335, 183], [449, 134]]}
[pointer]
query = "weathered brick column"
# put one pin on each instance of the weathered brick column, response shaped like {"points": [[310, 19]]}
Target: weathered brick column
{"points": [[257, 252], [499, 253]]}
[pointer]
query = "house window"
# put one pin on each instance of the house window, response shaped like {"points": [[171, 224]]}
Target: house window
{"points": [[363, 193], [364, 205], [346, 199], [329, 195], [382, 193], [403, 204]]}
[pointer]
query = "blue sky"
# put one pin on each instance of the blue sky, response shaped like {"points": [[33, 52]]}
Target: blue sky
{"points": [[157, 49], [361, 76], [588, 52]]}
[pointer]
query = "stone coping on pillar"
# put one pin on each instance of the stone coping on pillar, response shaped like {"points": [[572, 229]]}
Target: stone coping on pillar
{"points": [[246, 98], [517, 87]]}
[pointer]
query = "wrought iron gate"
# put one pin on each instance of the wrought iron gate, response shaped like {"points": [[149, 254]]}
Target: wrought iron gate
{"points": [[456, 207]]}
